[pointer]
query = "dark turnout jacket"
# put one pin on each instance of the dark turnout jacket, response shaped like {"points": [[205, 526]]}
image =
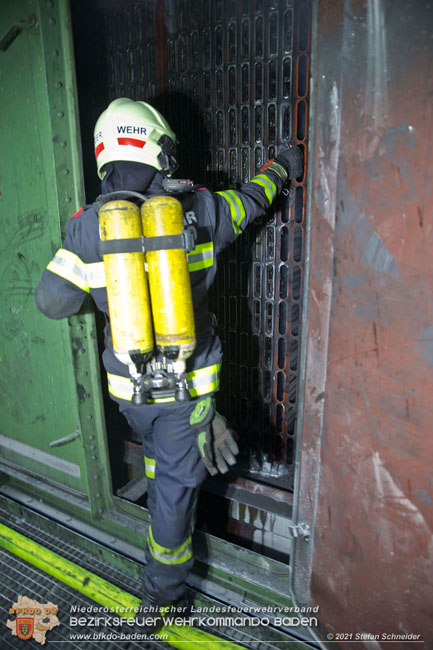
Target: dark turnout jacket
{"points": [[77, 268]]}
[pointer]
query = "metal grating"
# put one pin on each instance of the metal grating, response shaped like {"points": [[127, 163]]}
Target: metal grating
{"points": [[17, 577], [72, 552], [232, 79], [20, 578]]}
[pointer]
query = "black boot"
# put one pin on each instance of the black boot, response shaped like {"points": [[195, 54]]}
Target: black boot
{"points": [[150, 613]]}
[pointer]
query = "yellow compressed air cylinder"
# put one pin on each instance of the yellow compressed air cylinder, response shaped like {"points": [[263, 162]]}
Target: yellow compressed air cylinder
{"points": [[169, 281], [127, 287]]}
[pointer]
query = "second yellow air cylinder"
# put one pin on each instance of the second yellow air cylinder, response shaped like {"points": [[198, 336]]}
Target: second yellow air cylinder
{"points": [[169, 280]]}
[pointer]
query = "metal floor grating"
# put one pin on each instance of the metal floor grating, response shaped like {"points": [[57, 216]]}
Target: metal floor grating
{"points": [[20, 578], [73, 553], [17, 577]]}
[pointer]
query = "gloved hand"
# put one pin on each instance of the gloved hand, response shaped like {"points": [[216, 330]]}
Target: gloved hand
{"points": [[215, 442], [290, 157]]}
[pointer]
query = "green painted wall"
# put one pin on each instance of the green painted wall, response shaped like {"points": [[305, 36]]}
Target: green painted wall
{"points": [[49, 380]]}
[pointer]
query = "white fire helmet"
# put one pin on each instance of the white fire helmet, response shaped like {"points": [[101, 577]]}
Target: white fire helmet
{"points": [[134, 131]]}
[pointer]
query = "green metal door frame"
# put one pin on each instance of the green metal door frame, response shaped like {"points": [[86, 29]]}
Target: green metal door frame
{"points": [[42, 185]]}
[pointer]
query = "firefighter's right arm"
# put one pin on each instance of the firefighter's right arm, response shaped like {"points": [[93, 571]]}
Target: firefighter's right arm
{"points": [[237, 208], [63, 285]]}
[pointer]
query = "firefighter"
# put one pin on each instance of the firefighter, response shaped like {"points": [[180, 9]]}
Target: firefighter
{"points": [[135, 151]]}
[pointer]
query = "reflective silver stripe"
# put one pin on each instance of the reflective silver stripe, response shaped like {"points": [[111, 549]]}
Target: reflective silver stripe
{"points": [[96, 275], [178, 555], [149, 467], [120, 387], [70, 267], [205, 382], [279, 170], [207, 371], [237, 210], [92, 275], [85, 276], [205, 388], [201, 257], [269, 187]]}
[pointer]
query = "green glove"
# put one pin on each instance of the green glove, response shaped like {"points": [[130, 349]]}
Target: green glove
{"points": [[215, 442]]}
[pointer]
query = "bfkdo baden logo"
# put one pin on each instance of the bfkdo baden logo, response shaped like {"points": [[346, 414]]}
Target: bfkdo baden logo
{"points": [[25, 627], [33, 619]]}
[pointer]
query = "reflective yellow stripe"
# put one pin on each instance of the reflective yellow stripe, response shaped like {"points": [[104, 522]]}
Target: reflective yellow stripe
{"points": [[92, 276], [237, 210], [269, 187], [201, 372], [201, 257], [120, 387], [279, 170], [69, 266], [178, 555], [201, 382], [85, 276], [149, 467], [204, 389], [204, 380]]}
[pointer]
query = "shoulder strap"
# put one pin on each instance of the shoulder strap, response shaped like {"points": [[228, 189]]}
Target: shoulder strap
{"points": [[120, 194], [185, 240]]}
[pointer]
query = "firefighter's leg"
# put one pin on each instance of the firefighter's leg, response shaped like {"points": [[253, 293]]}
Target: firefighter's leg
{"points": [[140, 419], [179, 472], [149, 469]]}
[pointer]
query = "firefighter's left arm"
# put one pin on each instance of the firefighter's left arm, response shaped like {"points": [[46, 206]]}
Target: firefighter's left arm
{"points": [[237, 208], [63, 285], [56, 297]]}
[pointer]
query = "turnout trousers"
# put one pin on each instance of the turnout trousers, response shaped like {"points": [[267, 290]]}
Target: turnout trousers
{"points": [[174, 472]]}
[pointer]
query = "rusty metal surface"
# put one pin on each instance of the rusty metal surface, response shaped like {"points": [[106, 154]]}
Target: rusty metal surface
{"points": [[369, 355]]}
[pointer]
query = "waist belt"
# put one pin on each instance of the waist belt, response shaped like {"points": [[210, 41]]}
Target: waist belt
{"points": [[201, 382]]}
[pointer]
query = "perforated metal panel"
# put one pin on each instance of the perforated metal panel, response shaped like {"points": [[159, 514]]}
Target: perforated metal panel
{"points": [[232, 79]]}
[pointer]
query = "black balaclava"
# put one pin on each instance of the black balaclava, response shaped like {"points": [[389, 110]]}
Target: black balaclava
{"points": [[127, 175]]}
